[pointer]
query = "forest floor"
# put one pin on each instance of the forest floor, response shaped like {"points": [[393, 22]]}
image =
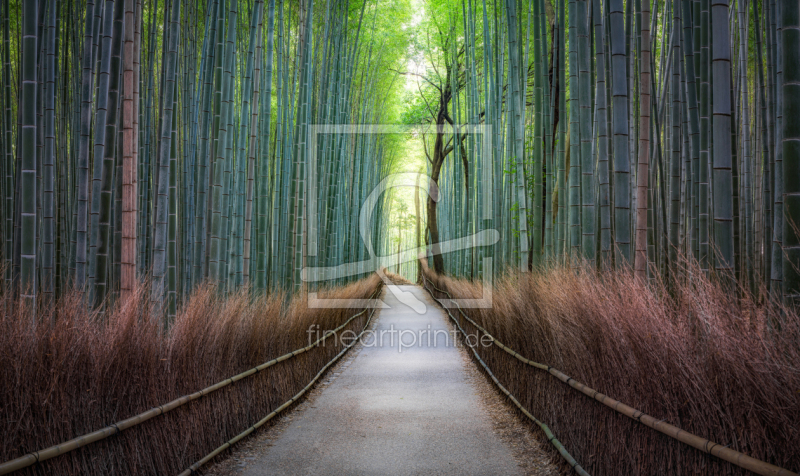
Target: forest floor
{"points": [[392, 409]]}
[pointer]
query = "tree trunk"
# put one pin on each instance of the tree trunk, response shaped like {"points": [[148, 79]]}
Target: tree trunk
{"points": [[433, 228], [418, 226]]}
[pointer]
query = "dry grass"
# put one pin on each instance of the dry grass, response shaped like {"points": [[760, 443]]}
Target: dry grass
{"points": [[88, 370], [396, 279], [698, 358]]}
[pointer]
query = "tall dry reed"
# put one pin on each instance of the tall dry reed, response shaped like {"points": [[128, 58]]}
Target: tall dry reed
{"points": [[74, 372], [698, 357]]}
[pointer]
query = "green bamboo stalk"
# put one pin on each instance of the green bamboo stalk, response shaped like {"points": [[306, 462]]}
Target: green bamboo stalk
{"points": [[515, 117], [103, 187], [575, 234], [217, 268], [692, 77], [249, 120], [642, 175], [619, 87], [562, 133], [602, 139], [87, 98], [539, 146], [253, 139], [158, 293], [204, 156], [723, 179], [172, 216], [705, 140], [790, 143], [8, 160], [219, 56], [299, 222], [48, 173], [28, 165], [676, 198], [776, 284], [587, 166]]}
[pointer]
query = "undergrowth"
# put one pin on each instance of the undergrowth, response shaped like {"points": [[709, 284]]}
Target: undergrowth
{"points": [[703, 359], [74, 372]]}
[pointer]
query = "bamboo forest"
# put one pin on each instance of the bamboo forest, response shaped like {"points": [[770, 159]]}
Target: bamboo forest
{"points": [[279, 237]]}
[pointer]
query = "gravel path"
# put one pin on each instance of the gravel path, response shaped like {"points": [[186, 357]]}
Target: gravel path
{"points": [[415, 408]]}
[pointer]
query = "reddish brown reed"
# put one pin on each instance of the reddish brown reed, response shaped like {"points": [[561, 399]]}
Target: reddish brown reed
{"points": [[698, 357], [396, 278], [74, 372]]}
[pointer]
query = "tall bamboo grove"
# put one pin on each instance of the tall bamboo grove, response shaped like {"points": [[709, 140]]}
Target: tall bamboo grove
{"points": [[645, 134], [168, 141]]}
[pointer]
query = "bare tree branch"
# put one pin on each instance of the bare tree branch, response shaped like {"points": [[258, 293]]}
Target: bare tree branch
{"points": [[425, 146], [449, 148], [427, 104], [408, 73]]}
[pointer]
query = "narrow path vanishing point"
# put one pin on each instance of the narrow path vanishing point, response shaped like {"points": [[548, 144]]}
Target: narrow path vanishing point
{"points": [[393, 411]]}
